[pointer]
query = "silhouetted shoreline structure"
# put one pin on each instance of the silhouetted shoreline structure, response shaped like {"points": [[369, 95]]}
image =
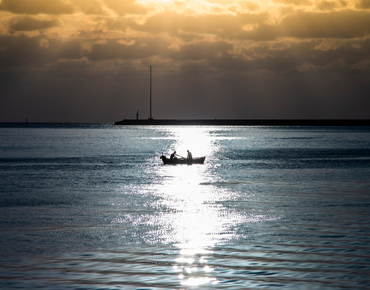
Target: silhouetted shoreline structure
{"points": [[249, 122], [238, 122]]}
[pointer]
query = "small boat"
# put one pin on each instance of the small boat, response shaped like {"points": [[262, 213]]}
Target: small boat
{"points": [[197, 160]]}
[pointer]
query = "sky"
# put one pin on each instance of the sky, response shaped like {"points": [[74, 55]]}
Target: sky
{"points": [[88, 60]]}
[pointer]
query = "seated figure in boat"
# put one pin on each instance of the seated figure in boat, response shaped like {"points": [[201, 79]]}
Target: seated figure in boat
{"points": [[173, 155], [190, 156]]}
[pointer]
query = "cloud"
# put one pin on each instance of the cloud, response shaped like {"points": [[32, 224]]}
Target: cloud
{"points": [[307, 25], [258, 59], [364, 4], [250, 5], [294, 2], [327, 5], [300, 25], [93, 7], [125, 7], [201, 51], [36, 6], [140, 48], [22, 51], [67, 49], [26, 23], [220, 55], [224, 26], [343, 24]]}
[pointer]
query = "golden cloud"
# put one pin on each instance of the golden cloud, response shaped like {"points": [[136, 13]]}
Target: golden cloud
{"points": [[221, 33], [93, 7], [36, 6], [125, 7]]}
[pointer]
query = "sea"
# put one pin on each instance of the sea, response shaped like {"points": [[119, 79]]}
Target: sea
{"points": [[92, 206]]}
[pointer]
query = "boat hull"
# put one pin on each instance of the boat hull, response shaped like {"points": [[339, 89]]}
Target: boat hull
{"points": [[196, 160]]}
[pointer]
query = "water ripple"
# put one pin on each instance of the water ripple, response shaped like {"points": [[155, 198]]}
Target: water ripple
{"points": [[231, 267]]}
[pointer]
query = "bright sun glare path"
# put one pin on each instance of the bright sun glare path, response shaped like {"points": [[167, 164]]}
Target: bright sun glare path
{"points": [[197, 140], [197, 221]]}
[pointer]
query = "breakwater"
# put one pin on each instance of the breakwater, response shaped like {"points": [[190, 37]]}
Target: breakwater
{"points": [[248, 122]]}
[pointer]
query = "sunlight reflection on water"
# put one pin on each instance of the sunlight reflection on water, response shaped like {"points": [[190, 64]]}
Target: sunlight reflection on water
{"points": [[275, 208], [197, 139], [197, 219]]}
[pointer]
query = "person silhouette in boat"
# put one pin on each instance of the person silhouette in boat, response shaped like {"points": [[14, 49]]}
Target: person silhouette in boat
{"points": [[190, 156], [173, 155]]}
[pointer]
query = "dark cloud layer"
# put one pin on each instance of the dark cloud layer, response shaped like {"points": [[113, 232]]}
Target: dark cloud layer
{"points": [[88, 61], [364, 4], [116, 95], [27, 23], [23, 50], [349, 24]]}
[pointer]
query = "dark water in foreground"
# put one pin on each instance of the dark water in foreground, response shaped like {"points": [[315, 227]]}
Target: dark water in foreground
{"points": [[92, 207]]}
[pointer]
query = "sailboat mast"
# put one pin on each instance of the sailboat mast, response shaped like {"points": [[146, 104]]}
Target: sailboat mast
{"points": [[150, 93]]}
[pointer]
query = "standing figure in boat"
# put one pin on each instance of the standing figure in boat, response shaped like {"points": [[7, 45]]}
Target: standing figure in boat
{"points": [[190, 156]]}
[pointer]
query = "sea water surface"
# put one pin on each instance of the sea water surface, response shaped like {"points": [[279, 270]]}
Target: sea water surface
{"points": [[91, 206]]}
